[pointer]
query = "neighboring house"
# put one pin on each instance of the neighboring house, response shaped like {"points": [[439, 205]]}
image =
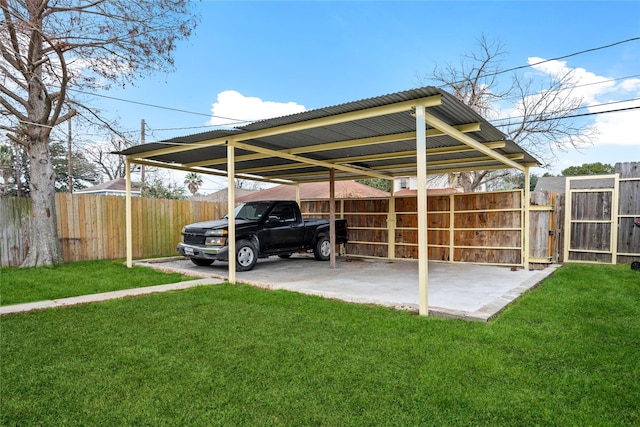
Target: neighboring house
{"points": [[558, 184], [315, 190], [437, 184], [222, 195], [117, 187]]}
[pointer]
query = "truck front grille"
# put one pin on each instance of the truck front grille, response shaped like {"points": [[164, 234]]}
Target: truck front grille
{"points": [[194, 239]]}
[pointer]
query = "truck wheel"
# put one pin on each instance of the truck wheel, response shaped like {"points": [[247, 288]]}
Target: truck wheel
{"points": [[201, 262], [322, 249], [246, 255]]}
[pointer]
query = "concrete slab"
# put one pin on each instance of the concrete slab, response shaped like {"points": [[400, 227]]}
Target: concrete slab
{"points": [[469, 291]]}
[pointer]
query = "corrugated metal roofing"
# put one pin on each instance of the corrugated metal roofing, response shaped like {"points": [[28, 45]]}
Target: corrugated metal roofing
{"points": [[308, 143]]}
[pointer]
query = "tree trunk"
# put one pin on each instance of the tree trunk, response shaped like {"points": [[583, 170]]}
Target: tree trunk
{"points": [[44, 245]]}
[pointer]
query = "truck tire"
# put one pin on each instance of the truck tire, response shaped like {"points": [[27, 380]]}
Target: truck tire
{"points": [[201, 262], [246, 255], [322, 249]]}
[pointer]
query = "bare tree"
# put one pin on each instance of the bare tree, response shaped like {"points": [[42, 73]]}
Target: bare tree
{"points": [[49, 48], [248, 184], [475, 80], [541, 122], [111, 165]]}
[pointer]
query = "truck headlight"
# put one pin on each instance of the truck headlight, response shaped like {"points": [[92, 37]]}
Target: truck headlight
{"points": [[218, 233], [215, 241]]}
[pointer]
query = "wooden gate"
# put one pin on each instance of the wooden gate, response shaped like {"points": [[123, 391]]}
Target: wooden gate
{"points": [[591, 219]]}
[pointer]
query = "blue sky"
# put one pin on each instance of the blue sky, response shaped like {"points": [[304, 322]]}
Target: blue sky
{"points": [[253, 60]]}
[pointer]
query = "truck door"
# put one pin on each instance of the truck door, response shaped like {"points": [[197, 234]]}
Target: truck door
{"points": [[286, 228]]}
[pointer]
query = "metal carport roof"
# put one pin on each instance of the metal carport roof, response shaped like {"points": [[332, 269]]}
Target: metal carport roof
{"points": [[414, 132], [367, 138]]}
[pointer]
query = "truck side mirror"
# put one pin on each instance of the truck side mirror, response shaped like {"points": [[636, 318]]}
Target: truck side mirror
{"points": [[273, 219]]}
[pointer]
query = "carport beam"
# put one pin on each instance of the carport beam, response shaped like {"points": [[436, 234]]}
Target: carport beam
{"points": [[423, 249]]}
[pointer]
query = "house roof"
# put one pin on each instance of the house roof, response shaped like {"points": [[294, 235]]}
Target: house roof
{"points": [[555, 184], [558, 184], [315, 190], [114, 186], [374, 137], [222, 195]]}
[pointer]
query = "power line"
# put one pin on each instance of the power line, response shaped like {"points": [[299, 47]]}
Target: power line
{"points": [[517, 97], [570, 109], [145, 104], [237, 121], [552, 59], [595, 113]]}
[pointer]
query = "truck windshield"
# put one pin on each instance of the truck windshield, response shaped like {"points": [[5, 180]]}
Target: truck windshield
{"points": [[250, 211]]}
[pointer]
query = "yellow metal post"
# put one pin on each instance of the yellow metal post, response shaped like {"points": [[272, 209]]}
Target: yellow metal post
{"points": [[391, 225], [128, 222], [332, 217], [614, 218], [231, 205], [423, 254], [526, 219]]}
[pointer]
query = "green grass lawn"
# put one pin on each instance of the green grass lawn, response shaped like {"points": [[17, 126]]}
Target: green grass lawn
{"points": [[567, 353], [20, 285]]}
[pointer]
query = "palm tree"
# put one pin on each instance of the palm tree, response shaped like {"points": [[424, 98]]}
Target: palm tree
{"points": [[193, 181]]}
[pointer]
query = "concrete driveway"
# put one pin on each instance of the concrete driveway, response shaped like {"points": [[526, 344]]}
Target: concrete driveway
{"points": [[469, 291]]}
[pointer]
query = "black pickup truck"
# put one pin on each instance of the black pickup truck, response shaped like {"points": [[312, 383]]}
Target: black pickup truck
{"points": [[263, 229]]}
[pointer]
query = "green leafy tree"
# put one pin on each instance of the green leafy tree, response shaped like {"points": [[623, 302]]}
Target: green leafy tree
{"points": [[50, 47], [6, 168], [589, 169], [82, 170], [155, 188], [379, 183]]}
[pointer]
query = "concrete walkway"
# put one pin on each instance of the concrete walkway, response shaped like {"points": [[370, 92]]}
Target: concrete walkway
{"points": [[84, 299]]}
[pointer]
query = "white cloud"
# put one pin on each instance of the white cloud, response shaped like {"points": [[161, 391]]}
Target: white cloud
{"points": [[588, 84], [233, 108], [617, 127], [600, 94]]}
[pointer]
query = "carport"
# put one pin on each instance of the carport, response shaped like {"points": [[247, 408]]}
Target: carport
{"points": [[415, 132]]}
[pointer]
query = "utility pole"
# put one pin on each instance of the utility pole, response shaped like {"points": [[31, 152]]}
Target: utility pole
{"points": [[142, 126], [69, 165]]}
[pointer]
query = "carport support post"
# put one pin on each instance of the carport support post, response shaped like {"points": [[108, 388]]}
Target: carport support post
{"points": [[231, 205], [526, 217], [127, 209], [332, 217], [423, 249]]}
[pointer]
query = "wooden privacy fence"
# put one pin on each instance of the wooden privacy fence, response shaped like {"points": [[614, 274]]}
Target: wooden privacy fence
{"points": [[600, 212], [93, 227], [462, 227]]}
